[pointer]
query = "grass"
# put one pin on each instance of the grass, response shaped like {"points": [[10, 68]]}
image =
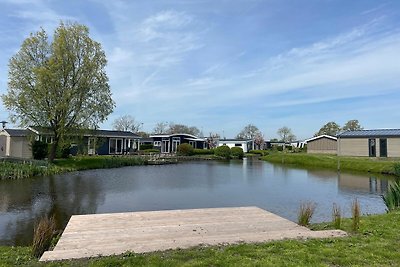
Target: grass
{"points": [[43, 234], [336, 216], [375, 244], [21, 170], [355, 215], [359, 164], [305, 213], [392, 197]]}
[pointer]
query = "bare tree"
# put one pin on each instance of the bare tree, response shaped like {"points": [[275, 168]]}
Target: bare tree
{"points": [[212, 140], [161, 128], [127, 123], [181, 128], [259, 141], [249, 132], [286, 134]]}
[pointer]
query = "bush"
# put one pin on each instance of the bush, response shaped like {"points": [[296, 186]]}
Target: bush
{"points": [[152, 150], [203, 151], [223, 152], [392, 197], [63, 151], [39, 150], [146, 146], [396, 169], [279, 148], [185, 149], [259, 152], [237, 152]]}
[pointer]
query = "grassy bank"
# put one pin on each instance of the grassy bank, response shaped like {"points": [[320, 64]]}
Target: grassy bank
{"points": [[376, 244], [360, 164], [20, 170]]}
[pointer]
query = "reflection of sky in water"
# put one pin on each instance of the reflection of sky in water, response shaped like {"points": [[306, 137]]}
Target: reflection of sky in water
{"points": [[189, 185]]}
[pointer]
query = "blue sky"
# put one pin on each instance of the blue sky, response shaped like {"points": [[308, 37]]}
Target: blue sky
{"points": [[220, 65]]}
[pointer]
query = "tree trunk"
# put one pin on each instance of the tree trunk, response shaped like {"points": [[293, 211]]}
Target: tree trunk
{"points": [[53, 149]]}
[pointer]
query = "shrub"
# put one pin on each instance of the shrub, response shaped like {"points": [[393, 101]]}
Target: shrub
{"points": [[396, 169], [279, 148], [43, 234], [392, 196], [223, 152], [39, 150], [152, 150], [237, 152], [146, 146], [63, 151], [306, 212], [203, 151], [259, 152], [336, 216], [356, 215], [185, 149]]}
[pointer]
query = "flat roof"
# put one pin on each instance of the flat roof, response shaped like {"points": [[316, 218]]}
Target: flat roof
{"points": [[371, 133]]}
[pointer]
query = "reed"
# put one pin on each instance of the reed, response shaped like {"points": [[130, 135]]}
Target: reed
{"points": [[356, 215], [305, 213], [44, 232], [336, 216], [392, 196]]}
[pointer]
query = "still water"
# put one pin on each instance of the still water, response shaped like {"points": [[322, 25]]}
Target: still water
{"points": [[188, 185]]}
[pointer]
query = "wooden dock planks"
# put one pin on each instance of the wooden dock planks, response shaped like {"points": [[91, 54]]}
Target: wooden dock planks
{"points": [[116, 233]]}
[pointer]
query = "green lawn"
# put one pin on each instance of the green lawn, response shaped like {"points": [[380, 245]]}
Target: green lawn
{"points": [[376, 244], [360, 164]]}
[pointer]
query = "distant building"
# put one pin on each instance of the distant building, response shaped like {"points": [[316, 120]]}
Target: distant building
{"points": [[246, 145], [370, 143], [15, 143], [323, 144], [168, 143]]}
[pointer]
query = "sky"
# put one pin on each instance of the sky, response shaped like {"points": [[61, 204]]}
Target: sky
{"points": [[221, 65]]}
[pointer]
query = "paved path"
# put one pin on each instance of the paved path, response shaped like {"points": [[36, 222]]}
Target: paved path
{"points": [[116, 233]]}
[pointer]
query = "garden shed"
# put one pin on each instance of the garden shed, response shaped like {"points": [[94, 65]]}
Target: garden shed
{"points": [[15, 143], [322, 144]]}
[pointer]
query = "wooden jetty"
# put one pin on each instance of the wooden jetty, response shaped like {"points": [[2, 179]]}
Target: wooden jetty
{"points": [[108, 234]]}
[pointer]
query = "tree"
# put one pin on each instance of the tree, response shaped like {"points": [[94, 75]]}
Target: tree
{"points": [[352, 125], [127, 123], [286, 134], [259, 141], [60, 84], [212, 140], [249, 132], [180, 128], [331, 128], [161, 128]]}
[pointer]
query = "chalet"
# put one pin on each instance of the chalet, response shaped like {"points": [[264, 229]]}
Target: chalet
{"points": [[168, 143], [322, 144], [370, 143], [245, 144], [15, 143]]}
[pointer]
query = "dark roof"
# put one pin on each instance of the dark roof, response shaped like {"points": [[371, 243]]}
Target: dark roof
{"points": [[17, 132], [371, 133], [101, 133], [234, 140]]}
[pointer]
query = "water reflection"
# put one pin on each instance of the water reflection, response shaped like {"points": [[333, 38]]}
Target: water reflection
{"points": [[189, 185]]}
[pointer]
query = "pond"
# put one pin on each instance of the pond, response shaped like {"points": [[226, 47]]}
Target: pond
{"points": [[202, 184]]}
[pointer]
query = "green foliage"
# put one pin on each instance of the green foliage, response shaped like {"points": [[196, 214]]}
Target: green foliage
{"points": [[259, 152], [352, 125], [44, 232], [336, 216], [392, 196], [223, 152], [13, 170], [305, 213], [185, 149], [355, 215], [59, 83], [98, 162], [39, 150], [237, 152], [279, 148], [396, 169], [150, 150], [203, 151], [146, 146], [361, 164], [63, 151], [331, 128]]}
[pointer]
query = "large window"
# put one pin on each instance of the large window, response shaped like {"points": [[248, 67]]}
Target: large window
{"points": [[372, 147], [115, 146], [383, 147]]}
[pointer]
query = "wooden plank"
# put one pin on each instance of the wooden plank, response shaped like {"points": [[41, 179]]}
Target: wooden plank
{"points": [[108, 234]]}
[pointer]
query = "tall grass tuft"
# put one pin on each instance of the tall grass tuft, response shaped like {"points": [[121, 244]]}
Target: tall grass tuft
{"points": [[356, 215], [336, 216], [392, 196], [44, 232], [396, 169], [305, 213]]}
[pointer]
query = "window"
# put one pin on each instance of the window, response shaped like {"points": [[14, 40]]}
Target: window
{"points": [[115, 146], [372, 147], [238, 144], [157, 143], [192, 143], [383, 147]]}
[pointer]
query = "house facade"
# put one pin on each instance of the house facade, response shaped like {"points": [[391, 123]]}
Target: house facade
{"points": [[15, 143], [246, 145], [323, 144], [168, 143], [370, 143]]}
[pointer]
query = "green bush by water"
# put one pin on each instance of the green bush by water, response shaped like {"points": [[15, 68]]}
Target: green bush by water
{"points": [[185, 150], [392, 196], [237, 152], [203, 151], [223, 152]]}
